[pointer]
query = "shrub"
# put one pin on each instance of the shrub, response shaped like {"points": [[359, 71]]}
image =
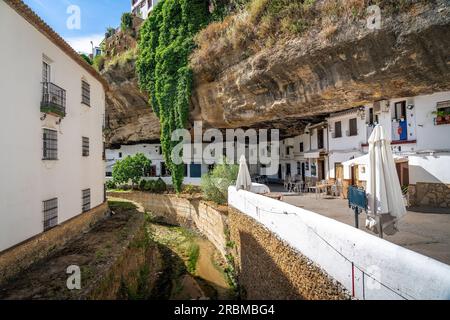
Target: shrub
{"points": [[111, 185], [110, 32], [190, 189], [86, 58], [126, 22], [160, 186], [131, 168], [99, 62], [215, 184], [142, 185], [153, 186]]}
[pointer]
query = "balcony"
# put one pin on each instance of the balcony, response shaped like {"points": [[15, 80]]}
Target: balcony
{"points": [[53, 99]]}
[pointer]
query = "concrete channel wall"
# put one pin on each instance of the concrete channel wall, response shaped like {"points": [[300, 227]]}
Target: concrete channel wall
{"points": [[367, 266]]}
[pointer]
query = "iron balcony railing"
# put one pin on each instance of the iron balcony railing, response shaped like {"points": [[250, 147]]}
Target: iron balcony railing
{"points": [[53, 99]]}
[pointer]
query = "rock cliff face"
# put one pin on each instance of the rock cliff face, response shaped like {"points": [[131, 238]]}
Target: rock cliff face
{"points": [[129, 116], [302, 79], [314, 74]]}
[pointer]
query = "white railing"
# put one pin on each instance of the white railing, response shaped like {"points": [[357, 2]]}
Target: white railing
{"points": [[367, 266]]}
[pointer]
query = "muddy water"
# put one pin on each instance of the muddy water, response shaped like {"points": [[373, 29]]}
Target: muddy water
{"points": [[176, 280], [204, 281]]}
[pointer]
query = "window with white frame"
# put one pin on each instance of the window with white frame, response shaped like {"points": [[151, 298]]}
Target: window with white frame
{"points": [[50, 145]]}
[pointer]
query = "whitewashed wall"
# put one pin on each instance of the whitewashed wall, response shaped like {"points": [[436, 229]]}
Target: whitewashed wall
{"points": [[429, 168], [25, 179], [389, 271], [151, 151]]}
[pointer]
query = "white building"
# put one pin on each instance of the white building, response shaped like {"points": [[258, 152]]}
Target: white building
{"points": [[305, 156], [51, 138], [158, 169], [142, 8], [417, 135]]}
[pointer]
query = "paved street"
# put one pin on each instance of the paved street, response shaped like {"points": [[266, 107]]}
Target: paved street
{"points": [[425, 233]]}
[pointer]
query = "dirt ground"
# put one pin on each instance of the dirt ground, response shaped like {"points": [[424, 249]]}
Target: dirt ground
{"points": [[131, 255], [94, 252]]}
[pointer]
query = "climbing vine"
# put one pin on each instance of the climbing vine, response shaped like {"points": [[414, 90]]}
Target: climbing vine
{"points": [[166, 41]]}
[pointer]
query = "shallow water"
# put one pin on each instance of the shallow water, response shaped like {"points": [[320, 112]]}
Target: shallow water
{"points": [[207, 281]]}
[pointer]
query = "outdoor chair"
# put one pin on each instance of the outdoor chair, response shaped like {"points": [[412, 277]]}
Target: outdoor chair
{"points": [[287, 182]]}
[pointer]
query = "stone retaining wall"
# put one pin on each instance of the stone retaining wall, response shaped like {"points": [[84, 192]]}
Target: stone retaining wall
{"points": [[435, 195], [21, 256], [268, 268], [189, 212]]}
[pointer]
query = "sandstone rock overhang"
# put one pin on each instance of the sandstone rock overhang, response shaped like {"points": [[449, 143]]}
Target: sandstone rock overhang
{"points": [[311, 76]]}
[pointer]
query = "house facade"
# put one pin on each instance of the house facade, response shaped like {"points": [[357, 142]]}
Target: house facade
{"points": [[51, 133], [158, 169], [142, 8], [420, 142]]}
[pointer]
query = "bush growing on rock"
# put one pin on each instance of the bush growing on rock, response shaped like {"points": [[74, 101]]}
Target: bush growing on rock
{"points": [[215, 184]]}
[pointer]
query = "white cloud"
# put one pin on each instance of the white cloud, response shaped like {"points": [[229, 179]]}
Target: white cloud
{"points": [[83, 44]]}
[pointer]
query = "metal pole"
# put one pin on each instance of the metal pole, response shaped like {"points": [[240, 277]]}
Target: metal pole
{"points": [[381, 226], [356, 218]]}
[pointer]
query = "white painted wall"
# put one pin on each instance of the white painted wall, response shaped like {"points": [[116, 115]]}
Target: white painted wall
{"points": [[26, 180], [151, 151], [334, 246], [344, 148], [429, 168], [146, 7], [430, 136]]}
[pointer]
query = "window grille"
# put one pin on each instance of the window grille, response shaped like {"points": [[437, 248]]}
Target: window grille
{"points": [[50, 210], [85, 144], [86, 200], [85, 93], [50, 144]]}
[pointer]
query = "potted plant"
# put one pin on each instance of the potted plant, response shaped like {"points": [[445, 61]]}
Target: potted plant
{"points": [[442, 116]]}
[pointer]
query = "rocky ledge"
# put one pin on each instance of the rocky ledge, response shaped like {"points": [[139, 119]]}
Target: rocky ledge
{"points": [[324, 71], [129, 117], [289, 83]]}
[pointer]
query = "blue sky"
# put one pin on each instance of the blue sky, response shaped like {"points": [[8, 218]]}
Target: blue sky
{"points": [[95, 17]]}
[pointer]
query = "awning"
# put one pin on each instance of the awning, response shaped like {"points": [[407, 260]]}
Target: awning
{"points": [[312, 155], [364, 161]]}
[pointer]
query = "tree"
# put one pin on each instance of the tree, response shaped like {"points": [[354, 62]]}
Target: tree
{"points": [[215, 184], [131, 168], [126, 22]]}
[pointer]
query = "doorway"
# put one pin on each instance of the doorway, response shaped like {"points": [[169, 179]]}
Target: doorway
{"points": [[338, 171], [403, 173], [354, 176], [321, 169]]}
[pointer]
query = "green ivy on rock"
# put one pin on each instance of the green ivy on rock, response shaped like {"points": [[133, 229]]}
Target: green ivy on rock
{"points": [[166, 41]]}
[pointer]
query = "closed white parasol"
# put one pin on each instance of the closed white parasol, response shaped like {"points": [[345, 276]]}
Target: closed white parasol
{"points": [[385, 201], [244, 181]]}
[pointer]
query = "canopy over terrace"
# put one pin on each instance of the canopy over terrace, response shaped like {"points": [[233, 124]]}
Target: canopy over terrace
{"points": [[364, 161]]}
